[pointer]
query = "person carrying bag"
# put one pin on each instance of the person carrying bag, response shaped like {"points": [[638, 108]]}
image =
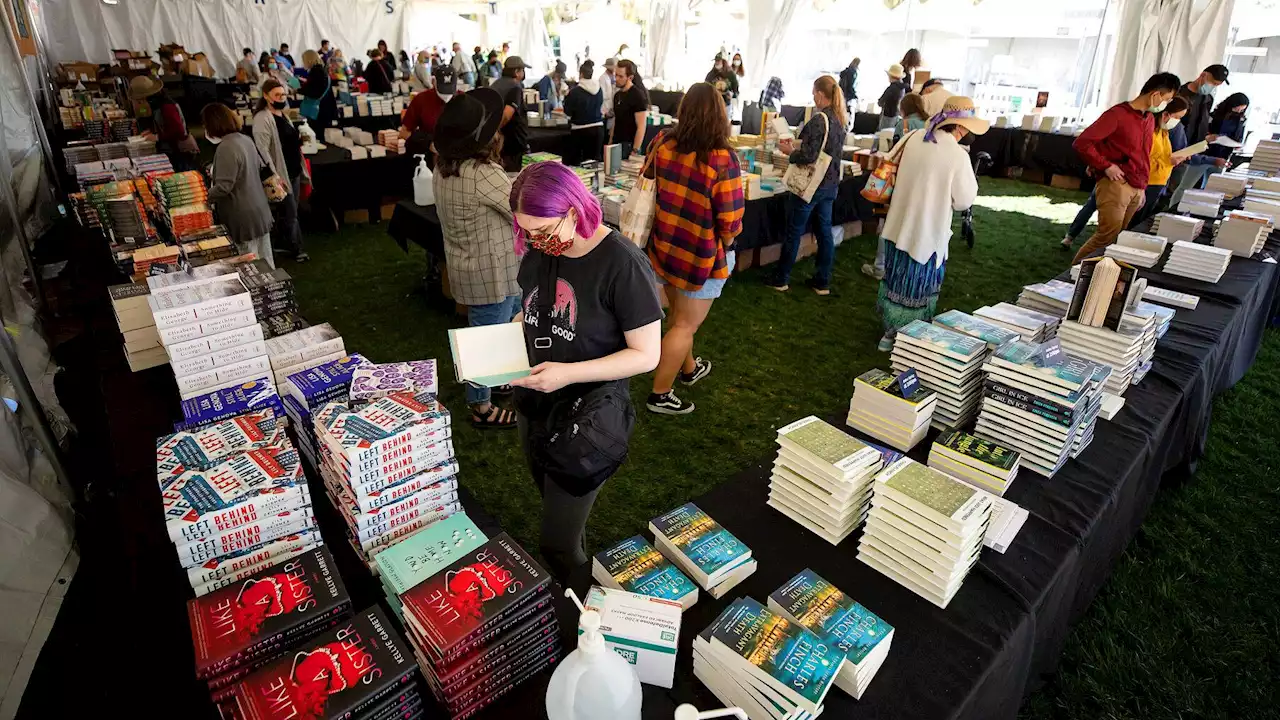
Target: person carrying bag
{"points": [[642, 203], [879, 187], [276, 187], [803, 180]]}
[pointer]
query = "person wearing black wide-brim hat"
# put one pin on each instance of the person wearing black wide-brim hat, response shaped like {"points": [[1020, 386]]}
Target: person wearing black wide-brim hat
{"points": [[169, 127], [473, 199]]}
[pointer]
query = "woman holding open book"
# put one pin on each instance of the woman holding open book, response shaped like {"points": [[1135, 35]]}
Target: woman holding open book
{"points": [[935, 179], [591, 320], [1164, 157]]}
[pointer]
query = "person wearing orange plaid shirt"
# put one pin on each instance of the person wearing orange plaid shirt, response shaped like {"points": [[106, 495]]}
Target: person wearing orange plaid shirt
{"points": [[698, 217]]}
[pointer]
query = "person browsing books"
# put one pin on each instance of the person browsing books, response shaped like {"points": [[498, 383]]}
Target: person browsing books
{"points": [[698, 217], [281, 147], [515, 121], [584, 106], [1227, 121], [236, 188], [892, 96], [914, 117], [1163, 160], [473, 199], [1117, 149], [630, 108], [829, 123], [420, 118], [591, 321], [935, 179], [319, 105]]}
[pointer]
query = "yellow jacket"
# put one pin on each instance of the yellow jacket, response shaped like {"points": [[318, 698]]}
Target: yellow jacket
{"points": [[1161, 158]]}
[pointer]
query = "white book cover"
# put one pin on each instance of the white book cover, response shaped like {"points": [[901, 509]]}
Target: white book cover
{"points": [[202, 346], [489, 355]]}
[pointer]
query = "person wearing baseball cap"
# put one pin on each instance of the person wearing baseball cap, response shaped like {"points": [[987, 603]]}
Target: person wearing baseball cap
{"points": [[419, 121], [1199, 96], [515, 124], [608, 86], [892, 96], [473, 198]]}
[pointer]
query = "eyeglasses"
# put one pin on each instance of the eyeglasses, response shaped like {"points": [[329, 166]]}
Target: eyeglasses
{"points": [[538, 237]]}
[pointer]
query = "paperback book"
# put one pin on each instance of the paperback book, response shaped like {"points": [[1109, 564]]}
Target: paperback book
{"points": [[636, 566], [699, 545]]}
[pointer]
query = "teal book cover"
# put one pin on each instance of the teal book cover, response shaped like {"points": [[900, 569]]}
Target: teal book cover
{"points": [[883, 381], [993, 335], [708, 546], [798, 659], [426, 553], [1073, 370], [943, 339], [639, 568], [824, 610]]}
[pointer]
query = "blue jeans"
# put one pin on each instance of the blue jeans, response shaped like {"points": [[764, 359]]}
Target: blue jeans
{"points": [[1082, 217], [491, 314], [469, 78], [799, 213]]}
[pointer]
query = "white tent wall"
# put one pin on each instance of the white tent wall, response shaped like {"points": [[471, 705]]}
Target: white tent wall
{"points": [[1180, 36], [89, 29]]}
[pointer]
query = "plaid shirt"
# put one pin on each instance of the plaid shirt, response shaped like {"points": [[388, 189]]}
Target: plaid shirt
{"points": [[772, 93], [479, 233], [699, 213]]}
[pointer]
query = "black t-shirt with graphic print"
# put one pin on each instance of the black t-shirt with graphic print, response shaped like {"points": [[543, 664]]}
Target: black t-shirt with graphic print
{"points": [[599, 296]]}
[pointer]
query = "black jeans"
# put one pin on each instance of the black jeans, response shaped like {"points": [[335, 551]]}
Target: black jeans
{"points": [[286, 233], [584, 144]]}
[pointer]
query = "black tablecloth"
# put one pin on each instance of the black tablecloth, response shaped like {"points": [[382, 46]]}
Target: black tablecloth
{"points": [[764, 222], [370, 123], [866, 123], [420, 225], [340, 183]]}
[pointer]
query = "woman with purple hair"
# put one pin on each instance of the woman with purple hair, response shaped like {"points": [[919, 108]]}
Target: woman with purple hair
{"points": [[591, 321]]}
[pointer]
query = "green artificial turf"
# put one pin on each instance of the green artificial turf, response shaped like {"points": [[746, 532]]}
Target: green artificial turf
{"points": [[1181, 630]]}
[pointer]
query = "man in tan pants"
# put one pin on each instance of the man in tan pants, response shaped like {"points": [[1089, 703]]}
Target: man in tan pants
{"points": [[1117, 147]]}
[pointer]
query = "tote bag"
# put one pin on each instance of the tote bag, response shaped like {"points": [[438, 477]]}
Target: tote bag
{"points": [[879, 187], [641, 205], [272, 184], [803, 180]]}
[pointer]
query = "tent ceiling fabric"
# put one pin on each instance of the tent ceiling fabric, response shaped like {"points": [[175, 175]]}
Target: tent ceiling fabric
{"points": [[1180, 36]]}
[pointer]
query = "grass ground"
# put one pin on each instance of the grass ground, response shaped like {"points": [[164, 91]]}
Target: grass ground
{"points": [[1183, 629]]}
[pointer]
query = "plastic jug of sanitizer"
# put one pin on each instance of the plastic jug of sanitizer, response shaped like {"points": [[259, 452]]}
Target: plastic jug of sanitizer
{"points": [[593, 682], [424, 192]]}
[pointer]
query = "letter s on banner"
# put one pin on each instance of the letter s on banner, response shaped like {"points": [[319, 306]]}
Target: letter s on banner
{"points": [[391, 8]]}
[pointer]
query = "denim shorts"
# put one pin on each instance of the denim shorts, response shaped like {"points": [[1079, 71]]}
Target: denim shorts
{"points": [[712, 288]]}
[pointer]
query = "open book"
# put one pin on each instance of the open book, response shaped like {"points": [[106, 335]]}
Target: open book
{"points": [[489, 355], [1190, 150]]}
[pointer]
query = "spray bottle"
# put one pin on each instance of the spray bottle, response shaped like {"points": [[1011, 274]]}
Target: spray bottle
{"points": [[423, 191], [593, 682]]}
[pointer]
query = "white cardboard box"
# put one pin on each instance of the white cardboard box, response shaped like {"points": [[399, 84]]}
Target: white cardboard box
{"points": [[643, 630]]}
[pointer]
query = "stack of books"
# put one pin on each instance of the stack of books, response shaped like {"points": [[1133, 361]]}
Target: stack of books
{"points": [[1126, 350], [1051, 298], [137, 325], [425, 554], [1231, 185], [751, 657], [1031, 325], [1243, 233], [1163, 315], [925, 529], [1040, 402], [948, 363], [635, 566], [250, 397], [210, 332], [361, 669], [1264, 184], [271, 289], [709, 554], [1201, 203], [818, 606], [482, 626], [1200, 262], [389, 468], [1172, 298], [982, 463], [305, 392], [252, 623], [1177, 227], [1137, 249], [234, 497], [879, 409], [1255, 202], [376, 381], [1266, 157], [822, 478], [993, 335], [302, 350]]}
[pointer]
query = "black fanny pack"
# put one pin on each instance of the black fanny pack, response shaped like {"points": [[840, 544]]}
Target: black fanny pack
{"points": [[579, 436]]}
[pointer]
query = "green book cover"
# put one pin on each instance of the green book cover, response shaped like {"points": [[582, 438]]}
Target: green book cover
{"points": [[829, 443], [932, 489], [984, 451], [993, 335], [943, 339], [426, 553], [883, 381], [792, 656], [708, 546], [639, 568], [1072, 370], [822, 609]]}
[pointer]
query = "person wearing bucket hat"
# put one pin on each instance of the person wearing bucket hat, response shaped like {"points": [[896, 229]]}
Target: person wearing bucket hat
{"points": [[892, 96], [935, 179], [169, 126], [473, 199]]}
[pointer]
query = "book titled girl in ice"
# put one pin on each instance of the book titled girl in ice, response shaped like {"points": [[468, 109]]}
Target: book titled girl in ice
{"points": [[1073, 372], [637, 567], [820, 607], [802, 663], [710, 548]]}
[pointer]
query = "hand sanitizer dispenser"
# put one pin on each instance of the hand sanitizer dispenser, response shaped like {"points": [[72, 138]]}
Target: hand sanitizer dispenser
{"points": [[593, 682], [424, 192]]}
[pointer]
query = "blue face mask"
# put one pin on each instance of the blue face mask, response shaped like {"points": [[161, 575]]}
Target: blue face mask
{"points": [[1207, 89]]}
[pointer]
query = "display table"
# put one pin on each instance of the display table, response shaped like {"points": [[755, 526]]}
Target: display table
{"points": [[340, 183]]}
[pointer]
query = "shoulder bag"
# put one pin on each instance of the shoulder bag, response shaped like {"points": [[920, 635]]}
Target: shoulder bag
{"points": [[272, 184], [310, 107], [879, 187], [579, 438], [641, 205], [804, 180]]}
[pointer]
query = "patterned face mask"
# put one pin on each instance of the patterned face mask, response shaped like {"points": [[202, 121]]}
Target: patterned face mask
{"points": [[549, 243]]}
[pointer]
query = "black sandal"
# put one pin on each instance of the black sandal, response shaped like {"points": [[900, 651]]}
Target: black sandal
{"points": [[497, 417]]}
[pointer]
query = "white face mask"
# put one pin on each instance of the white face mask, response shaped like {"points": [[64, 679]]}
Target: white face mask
{"points": [[1171, 123], [1159, 108], [444, 97], [214, 140]]}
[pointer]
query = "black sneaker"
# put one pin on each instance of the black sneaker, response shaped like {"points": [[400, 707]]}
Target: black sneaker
{"points": [[817, 287], [701, 369], [668, 404]]}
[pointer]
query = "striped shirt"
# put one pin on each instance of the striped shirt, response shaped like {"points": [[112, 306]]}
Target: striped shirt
{"points": [[699, 213]]}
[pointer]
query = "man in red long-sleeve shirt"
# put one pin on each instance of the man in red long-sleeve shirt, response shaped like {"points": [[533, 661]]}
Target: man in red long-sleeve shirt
{"points": [[1117, 147]]}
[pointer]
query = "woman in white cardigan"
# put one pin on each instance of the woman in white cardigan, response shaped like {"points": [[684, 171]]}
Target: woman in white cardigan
{"points": [[935, 179]]}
